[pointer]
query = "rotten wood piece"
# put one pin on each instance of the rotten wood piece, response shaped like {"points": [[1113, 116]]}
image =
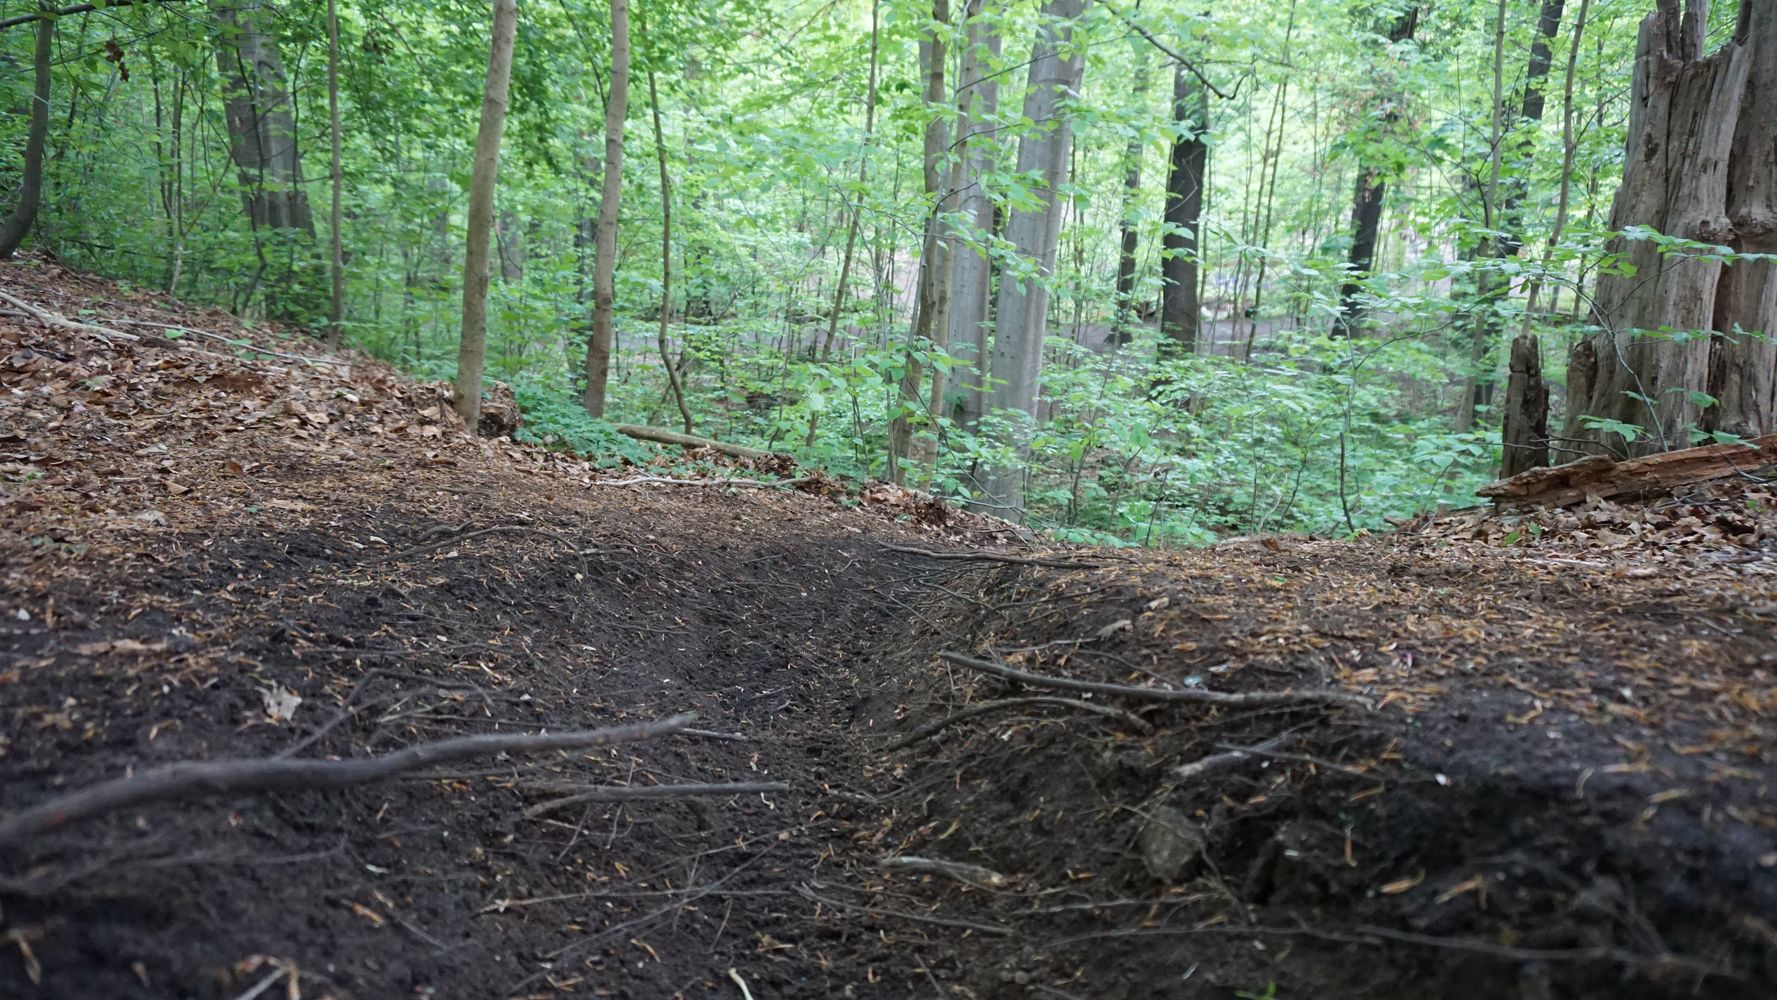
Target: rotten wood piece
{"points": [[1602, 476], [660, 435], [1525, 436], [201, 779]]}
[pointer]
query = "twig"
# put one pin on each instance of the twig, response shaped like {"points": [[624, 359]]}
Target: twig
{"points": [[630, 793], [519, 529], [1216, 763], [958, 870], [1264, 751], [708, 735], [197, 779], [240, 342], [53, 319], [745, 993], [1246, 699], [667, 481], [997, 557], [968, 925], [932, 729]]}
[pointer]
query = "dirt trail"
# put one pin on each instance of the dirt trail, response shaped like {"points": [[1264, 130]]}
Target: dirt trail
{"points": [[1562, 786]]}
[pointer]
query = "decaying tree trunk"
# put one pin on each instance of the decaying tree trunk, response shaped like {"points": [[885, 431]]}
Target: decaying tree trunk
{"points": [[472, 347], [1526, 434], [604, 265], [1021, 310], [1701, 165], [15, 226]]}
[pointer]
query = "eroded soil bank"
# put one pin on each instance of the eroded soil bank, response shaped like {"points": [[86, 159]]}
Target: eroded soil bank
{"points": [[1559, 783]]}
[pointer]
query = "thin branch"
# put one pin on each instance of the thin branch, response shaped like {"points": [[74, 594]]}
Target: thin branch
{"points": [[932, 729], [79, 8], [968, 925], [55, 320], [631, 793], [1170, 52], [1198, 695], [668, 481], [995, 557], [200, 779]]}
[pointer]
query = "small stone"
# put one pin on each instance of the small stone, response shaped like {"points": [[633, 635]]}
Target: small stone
{"points": [[1169, 843]]}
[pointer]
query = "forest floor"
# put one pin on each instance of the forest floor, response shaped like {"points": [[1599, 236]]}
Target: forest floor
{"points": [[1488, 757]]}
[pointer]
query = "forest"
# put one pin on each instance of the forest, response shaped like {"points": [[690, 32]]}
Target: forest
{"points": [[888, 499], [1129, 272]]}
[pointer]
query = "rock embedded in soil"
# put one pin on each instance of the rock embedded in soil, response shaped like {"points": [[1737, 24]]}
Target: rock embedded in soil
{"points": [[1170, 842]]}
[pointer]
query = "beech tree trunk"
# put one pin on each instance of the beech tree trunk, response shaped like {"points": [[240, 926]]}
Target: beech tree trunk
{"points": [[1021, 311], [931, 262], [15, 226], [261, 126], [472, 347], [1702, 165], [1366, 208], [971, 278], [604, 266], [1181, 314]]}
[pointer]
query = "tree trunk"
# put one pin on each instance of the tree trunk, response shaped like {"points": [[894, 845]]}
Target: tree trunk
{"points": [[1525, 439], [1366, 208], [261, 126], [978, 94], [15, 226], [1181, 314], [666, 257], [851, 232], [1021, 313], [336, 310], [472, 347], [931, 261], [1127, 237], [1701, 165], [604, 267]]}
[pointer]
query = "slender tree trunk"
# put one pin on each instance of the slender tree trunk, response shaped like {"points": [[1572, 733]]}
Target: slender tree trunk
{"points": [[336, 247], [666, 257], [1366, 208], [1181, 314], [1127, 236], [604, 267], [1274, 131], [1021, 314], [931, 262], [14, 227], [472, 347], [971, 276], [1701, 164], [857, 212]]}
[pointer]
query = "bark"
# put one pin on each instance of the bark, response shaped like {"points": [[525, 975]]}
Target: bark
{"points": [[971, 277], [336, 311], [1021, 312], [261, 125], [1127, 237], [1180, 312], [1366, 207], [1525, 438], [931, 261], [1701, 164], [666, 257], [24, 214], [472, 347], [604, 267]]}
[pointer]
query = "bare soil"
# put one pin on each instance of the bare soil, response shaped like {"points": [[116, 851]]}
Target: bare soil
{"points": [[1561, 786]]}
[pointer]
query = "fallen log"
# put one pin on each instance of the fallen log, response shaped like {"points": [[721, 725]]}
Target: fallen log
{"points": [[1602, 476], [660, 435]]}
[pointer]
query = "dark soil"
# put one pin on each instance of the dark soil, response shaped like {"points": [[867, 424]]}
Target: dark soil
{"points": [[1563, 788]]}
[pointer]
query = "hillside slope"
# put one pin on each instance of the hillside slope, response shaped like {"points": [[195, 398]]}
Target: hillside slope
{"points": [[1473, 759]]}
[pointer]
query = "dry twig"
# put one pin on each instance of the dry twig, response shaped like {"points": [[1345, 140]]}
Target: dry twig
{"points": [[998, 557], [197, 779], [1247, 699], [630, 793], [981, 708]]}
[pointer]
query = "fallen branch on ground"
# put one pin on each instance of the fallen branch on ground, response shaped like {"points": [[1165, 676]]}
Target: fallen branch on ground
{"points": [[997, 557], [55, 320], [631, 793], [517, 529], [968, 925], [660, 435], [198, 779], [1245, 699], [932, 729], [667, 481], [959, 870], [240, 342], [1217, 763]]}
